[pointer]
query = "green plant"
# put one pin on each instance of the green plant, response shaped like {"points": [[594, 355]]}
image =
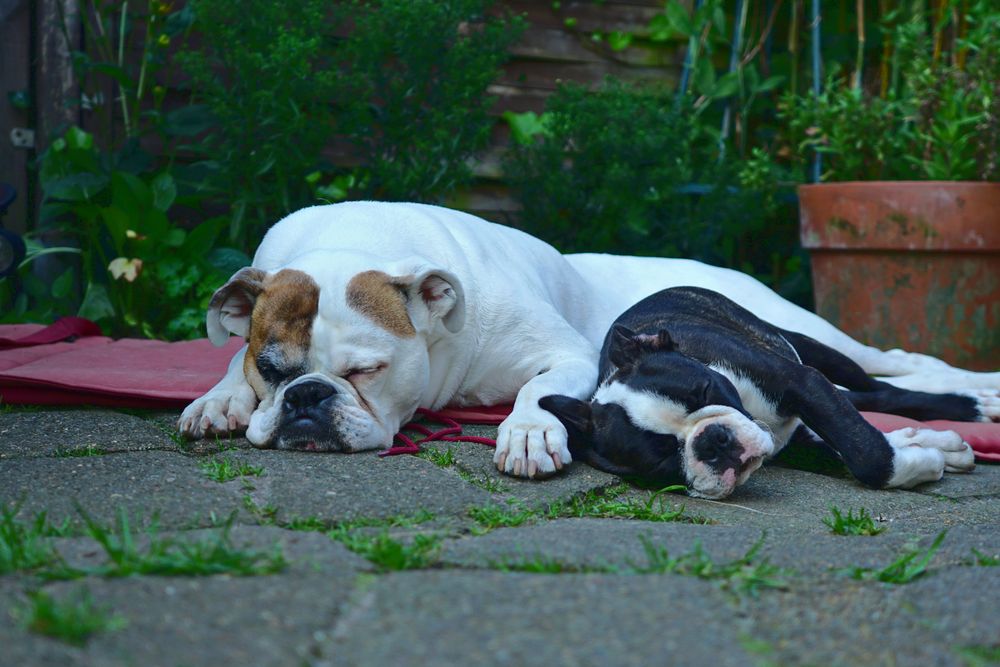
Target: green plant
{"points": [[415, 77], [492, 517], [387, 553], [225, 469], [911, 565], [171, 557], [265, 77], [848, 524], [73, 619], [24, 548], [745, 574], [933, 111], [985, 560], [634, 170], [606, 503], [547, 565]]}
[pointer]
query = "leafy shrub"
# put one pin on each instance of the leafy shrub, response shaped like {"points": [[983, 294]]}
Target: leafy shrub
{"points": [[936, 115], [140, 274], [415, 80], [264, 73], [626, 170]]}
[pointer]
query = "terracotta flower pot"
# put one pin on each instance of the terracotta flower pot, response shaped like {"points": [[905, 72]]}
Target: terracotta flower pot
{"points": [[910, 264]]}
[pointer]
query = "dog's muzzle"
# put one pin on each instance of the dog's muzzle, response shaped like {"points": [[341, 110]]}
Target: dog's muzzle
{"points": [[306, 417]]}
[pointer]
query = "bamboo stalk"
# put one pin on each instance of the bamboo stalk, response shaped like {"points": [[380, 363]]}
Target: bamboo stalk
{"points": [[859, 62], [886, 52], [793, 48]]}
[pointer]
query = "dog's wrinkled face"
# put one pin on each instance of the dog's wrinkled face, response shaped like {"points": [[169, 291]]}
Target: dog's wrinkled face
{"points": [[335, 369], [664, 417]]}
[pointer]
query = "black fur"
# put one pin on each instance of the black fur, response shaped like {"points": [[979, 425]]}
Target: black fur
{"points": [[665, 343]]}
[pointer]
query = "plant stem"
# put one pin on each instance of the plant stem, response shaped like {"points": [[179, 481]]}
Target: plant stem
{"points": [[121, 64], [860, 57]]}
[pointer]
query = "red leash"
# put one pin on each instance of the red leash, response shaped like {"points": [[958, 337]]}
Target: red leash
{"points": [[452, 432]]}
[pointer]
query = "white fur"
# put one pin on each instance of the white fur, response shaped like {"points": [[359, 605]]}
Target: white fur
{"points": [[923, 455], [658, 414], [532, 323]]}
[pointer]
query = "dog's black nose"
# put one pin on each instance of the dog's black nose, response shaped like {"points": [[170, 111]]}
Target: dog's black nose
{"points": [[715, 442], [307, 394]]}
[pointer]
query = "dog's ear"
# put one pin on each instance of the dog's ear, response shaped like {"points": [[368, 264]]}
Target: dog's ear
{"points": [[661, 342], [624, 348], [574, 414], [434, 294], [231, 305]]}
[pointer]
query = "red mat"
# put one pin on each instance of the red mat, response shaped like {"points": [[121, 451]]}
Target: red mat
{"points": [[95, 370]]}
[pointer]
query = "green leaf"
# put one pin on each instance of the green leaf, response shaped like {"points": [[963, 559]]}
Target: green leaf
{"points": [[525, 126], [188, 121], [62, 287], [727, 86], [704, 76], [96, 303], [619, 41], [677, 15], [77, 138], [228, 260], [164, 191], [770, 83]]}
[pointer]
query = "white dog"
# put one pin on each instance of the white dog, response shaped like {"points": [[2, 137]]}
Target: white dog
{"points": [[356, 314]]}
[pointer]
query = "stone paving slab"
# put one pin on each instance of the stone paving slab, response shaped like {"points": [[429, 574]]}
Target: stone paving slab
{"points": [[477, 461], [491, 618], [340, 487], [782, 498], [596, 543], [927, 622], [144, 484], [306, 552], [58, 432], [258, 620]]}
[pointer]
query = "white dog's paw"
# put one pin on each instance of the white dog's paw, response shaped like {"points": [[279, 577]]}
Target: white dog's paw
{"points": [[219, 411], [531, 443], [924, 455], [987, 402]]}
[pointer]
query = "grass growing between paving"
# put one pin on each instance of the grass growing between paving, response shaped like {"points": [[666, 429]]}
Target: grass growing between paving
{"points": [[226, 469], [25, 547], [74, 619], [980, 656], [910, 566], [606, 503], [747, 574], [445, 458], [77, 452], [984, 560], [849, 524]]}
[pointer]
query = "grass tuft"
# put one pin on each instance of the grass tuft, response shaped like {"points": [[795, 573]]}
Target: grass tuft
{"points": [[547, 565], [76, 452], [746, 574], [24, 547], [73, 620], [908, 567], [170, 557], [226, 469], [389, 554], [862, 524], [985, 560]]}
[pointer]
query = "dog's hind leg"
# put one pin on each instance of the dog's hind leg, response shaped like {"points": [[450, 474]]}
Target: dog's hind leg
{"points": [[877, 460], [867, 393]]}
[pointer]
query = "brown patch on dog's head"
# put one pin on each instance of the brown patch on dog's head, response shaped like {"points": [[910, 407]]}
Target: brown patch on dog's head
{"points": [[283, 315], [379, 297]]}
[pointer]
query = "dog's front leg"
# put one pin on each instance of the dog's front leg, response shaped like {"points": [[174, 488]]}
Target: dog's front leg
{"points": [[532, 442], [225, 408]]}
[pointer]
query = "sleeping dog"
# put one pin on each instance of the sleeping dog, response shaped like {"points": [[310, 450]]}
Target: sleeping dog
{"points": [[697, 390]]}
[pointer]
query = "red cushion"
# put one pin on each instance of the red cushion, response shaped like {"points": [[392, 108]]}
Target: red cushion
{"points": [[96, 370]]}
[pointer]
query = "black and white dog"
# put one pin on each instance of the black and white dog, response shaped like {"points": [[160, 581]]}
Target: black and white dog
{"points": [[697, 390]]}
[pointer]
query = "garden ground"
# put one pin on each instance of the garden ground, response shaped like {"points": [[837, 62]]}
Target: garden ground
{"points": [[201, 553]]}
